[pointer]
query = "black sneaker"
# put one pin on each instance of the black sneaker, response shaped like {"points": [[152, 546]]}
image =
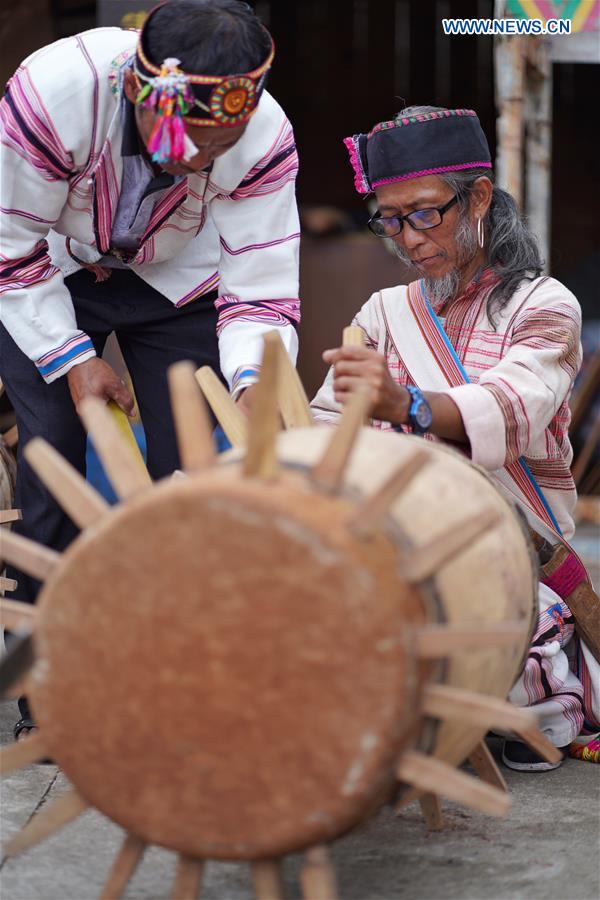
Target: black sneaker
{"points": [[518, 756]]}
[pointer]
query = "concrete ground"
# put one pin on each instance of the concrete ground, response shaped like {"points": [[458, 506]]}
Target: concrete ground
{"points": [[547, 847]]}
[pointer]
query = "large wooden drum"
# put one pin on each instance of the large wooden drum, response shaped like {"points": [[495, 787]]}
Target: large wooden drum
{"points": [[228, 665]]}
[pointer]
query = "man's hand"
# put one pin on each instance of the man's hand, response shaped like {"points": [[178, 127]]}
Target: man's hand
{"points": [[356, 365], [95, 378], [244, 399]]}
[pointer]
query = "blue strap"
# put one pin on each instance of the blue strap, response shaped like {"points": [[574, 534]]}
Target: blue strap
{"points": [[467, 380]]}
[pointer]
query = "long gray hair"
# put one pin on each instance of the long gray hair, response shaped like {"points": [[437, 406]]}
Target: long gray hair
{"points": [[511, 246]]}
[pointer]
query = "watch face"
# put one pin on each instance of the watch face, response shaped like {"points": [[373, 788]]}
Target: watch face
{"points": [[422, 414]]}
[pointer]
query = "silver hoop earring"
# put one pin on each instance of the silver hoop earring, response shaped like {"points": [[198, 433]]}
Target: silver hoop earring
{"points": [[480, 234]]}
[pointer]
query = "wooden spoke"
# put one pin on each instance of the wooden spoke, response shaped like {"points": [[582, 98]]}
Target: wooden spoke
{"points": [[353, 336], [8, 584], [26, 555], [192, 424], [436, 777], [293, 402], [188, 878], [328, 473], [261, 456], [485, 765], [17, 616], [425, 561], [10, 515], [124, 866], [266, 875], [317, 876], [438, 641], [539, 743], [431, 807], [446, 702], [22, 753], [409, 795], [49, 820], [11, 437], [120, 461], [76, 496], [370, 513], [228, 415]]}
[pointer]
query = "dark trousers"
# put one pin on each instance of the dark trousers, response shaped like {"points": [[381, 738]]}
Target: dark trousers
{"points": [[152, 334]]}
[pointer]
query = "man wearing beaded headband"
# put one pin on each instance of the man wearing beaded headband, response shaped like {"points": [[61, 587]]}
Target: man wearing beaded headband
{"points": [[481, 352], [158, 164]]}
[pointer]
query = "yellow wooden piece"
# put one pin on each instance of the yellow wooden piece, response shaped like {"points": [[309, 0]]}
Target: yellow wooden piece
{"points": [[125, 428]]}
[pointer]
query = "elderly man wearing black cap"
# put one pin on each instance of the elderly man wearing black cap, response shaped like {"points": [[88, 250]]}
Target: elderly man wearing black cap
{"points": [[480, 351]]}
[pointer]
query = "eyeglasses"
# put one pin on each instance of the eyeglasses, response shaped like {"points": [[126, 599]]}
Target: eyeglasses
{"points": [[420, 220]]}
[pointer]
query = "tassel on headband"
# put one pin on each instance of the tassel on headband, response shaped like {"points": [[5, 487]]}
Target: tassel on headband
{"points": [[170, 97]]}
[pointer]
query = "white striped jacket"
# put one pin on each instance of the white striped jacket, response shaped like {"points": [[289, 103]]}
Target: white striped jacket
{"points": [[234, 227]]}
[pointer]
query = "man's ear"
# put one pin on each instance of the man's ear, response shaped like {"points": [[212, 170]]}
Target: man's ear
{"points": [[481, 196], [131, 85]]}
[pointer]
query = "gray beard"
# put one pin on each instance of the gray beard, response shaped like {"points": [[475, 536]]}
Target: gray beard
{"points": [[441, 290]]}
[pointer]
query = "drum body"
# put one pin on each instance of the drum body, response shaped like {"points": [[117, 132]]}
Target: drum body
{"points": [[227, 665]]}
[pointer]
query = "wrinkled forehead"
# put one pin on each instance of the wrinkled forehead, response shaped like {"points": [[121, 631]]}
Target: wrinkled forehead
{"points": [[415, 193]]}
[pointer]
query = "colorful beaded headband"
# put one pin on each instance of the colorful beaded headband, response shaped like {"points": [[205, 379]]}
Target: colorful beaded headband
{"points": [[446, 140], [177, 97]]}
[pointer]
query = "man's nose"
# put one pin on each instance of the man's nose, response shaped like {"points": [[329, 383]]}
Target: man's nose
{"points": [[409, 238]]}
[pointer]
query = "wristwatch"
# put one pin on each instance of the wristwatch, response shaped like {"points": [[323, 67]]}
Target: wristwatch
{"points": [[419, 413]]}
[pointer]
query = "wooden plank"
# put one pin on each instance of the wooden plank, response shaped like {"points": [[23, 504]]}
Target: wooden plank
{"points": [[317, 876], [266, 877], [328, 473], [20, 754], [81, 502], [188, 878], [192, 424], [444, 701], [427, 560], [431, 807], [10, 515], [120, 462], [485, 765], [434, 776], [439, 641], [47, 821], [293, 402], [228, 415], [124, 866], [371, 512], [261, 458], [26, 555], [17, 616]]}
